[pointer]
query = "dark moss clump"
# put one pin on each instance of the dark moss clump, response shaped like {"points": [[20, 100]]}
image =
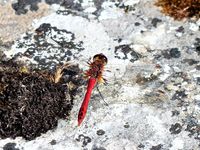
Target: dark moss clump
{"points": [[180, 9], [31, 103]]}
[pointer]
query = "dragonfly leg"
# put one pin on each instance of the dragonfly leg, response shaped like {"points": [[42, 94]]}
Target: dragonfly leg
{"points": [[101, 95]]}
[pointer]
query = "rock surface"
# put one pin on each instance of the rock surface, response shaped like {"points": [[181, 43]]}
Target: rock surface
{"points": [[153, 78]]}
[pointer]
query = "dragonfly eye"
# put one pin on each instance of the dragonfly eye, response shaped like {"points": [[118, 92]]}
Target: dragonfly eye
{"points": [[101, 57]]}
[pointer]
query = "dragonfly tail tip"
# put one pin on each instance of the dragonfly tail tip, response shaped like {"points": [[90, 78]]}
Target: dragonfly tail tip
{"points": [[79, 123]]}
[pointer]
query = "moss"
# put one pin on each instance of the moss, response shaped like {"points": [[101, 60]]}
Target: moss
{"points": [[179, 9], [31, 103]]}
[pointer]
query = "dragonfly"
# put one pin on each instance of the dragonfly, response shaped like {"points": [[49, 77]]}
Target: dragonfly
{"points": [[94, 75], [132, 74]]}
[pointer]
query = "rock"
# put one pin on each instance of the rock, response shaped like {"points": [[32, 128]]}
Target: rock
{"points": [[152, 75]]}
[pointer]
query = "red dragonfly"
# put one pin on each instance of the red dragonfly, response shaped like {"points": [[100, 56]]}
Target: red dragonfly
{"points": [[94, 73]]}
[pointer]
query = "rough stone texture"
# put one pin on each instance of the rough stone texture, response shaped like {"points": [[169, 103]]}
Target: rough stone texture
{"points": [[13, 25], [153, 78]]}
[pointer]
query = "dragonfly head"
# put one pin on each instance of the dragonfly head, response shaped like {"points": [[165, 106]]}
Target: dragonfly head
{"points": [[101, 58]]}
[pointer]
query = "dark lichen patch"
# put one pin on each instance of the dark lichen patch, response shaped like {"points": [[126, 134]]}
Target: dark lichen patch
{"points": [[10, 146], [180, 29], [23, 6], [197, 45], [135, 56], [141, 145], [171, 53], [84, 139], [198, 80], [126, 50], [127, 8], [71, 7], [179, 95], [197, 41], [126, 125], [20, 6], [198, 50], [71, 4], [49, 45], [197, 67], [157, 147], [31, 102], [98, 4], [179, 10], [175, 128], [72, 12], [100, 132], [175, 113], [155, 21], [175, 53], [193, 127], [98, 148], [137, 24], [53, 1], [53, 142]]}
